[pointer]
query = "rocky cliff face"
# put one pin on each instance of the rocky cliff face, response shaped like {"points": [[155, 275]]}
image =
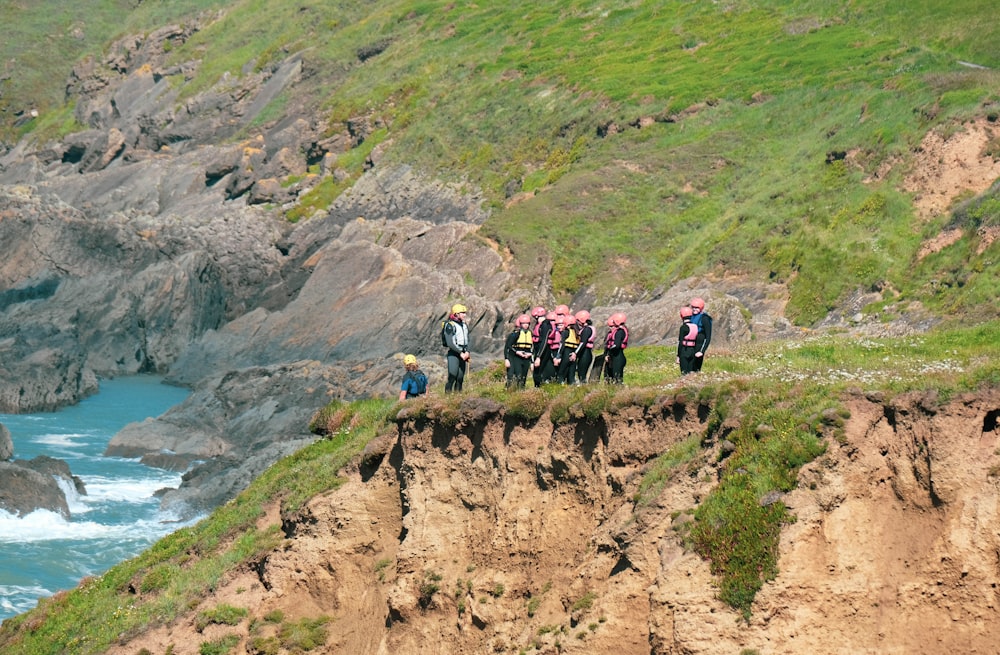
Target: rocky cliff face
{"points": [[500, 536]]}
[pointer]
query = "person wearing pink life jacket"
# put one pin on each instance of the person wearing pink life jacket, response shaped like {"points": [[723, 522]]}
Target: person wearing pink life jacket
{"points": [[614, 349], [539, 337], [553, 345], [517, 352], [689, 339], [585, 351], [704, 323]]}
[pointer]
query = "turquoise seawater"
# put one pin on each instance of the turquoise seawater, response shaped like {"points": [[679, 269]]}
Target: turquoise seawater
{"points": [[119, 517]]}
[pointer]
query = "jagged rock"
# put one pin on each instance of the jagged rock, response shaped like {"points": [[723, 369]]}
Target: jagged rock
{"points": [[85, 298], [237, 424], [26, 486], [6, 444], [57, 468], [268, 190]]}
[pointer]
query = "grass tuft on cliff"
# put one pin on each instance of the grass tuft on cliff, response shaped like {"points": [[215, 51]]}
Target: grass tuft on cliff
{"points": [[783, 398]]}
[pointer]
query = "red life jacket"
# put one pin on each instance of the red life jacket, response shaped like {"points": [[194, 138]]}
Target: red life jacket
{"points": [[554, 340], [691, 338], [589, 343], [536, 335], [610, 343]]}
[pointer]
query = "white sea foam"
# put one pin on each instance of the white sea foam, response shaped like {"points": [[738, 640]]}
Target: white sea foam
{"points": [[73, 497], [119, 516], [62, 439], [43, 525], [15, 599], [127, 490]]}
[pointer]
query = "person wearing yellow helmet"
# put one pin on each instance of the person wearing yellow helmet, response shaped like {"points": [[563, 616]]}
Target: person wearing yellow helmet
{"points": [[455, 337], [517, 352], [414, 380]]}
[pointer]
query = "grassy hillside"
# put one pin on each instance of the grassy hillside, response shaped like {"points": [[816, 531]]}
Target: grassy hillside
{"points": [[659, 140], [793, 389]]}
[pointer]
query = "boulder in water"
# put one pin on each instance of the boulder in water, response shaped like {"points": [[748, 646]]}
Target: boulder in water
{"points": [[33, 484]]}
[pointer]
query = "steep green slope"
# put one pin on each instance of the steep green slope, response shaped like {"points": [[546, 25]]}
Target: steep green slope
{"points": [[660, 140]]}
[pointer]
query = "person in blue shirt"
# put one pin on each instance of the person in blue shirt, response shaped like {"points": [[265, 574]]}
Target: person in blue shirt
{"points": [[414, 380]]}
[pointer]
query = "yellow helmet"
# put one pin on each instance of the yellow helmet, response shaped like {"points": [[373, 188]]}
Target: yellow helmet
{"points": [[409, 359], [458, 308]]}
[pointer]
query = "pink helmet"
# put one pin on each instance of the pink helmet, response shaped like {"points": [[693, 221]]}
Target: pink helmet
{"points": [[619, 318], [697, 303], [562, 309], [686, 312], [538, 312], [570, 319], [523, 320], [582, 316], [551, 316], [611, 321]]}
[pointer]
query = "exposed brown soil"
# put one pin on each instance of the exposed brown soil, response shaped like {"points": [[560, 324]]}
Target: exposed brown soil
{"points": [[950, 166], [496, 537]]}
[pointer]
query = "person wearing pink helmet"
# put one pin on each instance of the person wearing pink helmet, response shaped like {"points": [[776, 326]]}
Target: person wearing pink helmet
{"points": [[704, 323], [614, 349], [549, 361], [568, 351], [540, 336], [585, 351], [689, 338], [517, 352]]}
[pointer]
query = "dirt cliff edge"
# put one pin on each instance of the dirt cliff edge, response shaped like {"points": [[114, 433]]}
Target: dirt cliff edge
{"points": [[495, 536]]}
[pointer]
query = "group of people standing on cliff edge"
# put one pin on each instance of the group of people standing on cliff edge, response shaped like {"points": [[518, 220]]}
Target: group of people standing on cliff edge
{"points": [[557, 346]]}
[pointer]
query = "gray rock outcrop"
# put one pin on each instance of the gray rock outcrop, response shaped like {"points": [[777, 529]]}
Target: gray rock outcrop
{"points": [[29, 485], [6, 444]]}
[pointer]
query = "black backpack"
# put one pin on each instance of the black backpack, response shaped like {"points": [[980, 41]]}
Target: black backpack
{"points": [[420, 379], [444, 332]]}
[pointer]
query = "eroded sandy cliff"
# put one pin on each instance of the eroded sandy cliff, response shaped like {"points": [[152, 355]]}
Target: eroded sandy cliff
{"points": [[498, 537]]}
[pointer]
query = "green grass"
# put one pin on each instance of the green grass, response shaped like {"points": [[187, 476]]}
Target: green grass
{"points": [[304, 635], [729, 174], [221, 615], [665, 467], [220, 646]]}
